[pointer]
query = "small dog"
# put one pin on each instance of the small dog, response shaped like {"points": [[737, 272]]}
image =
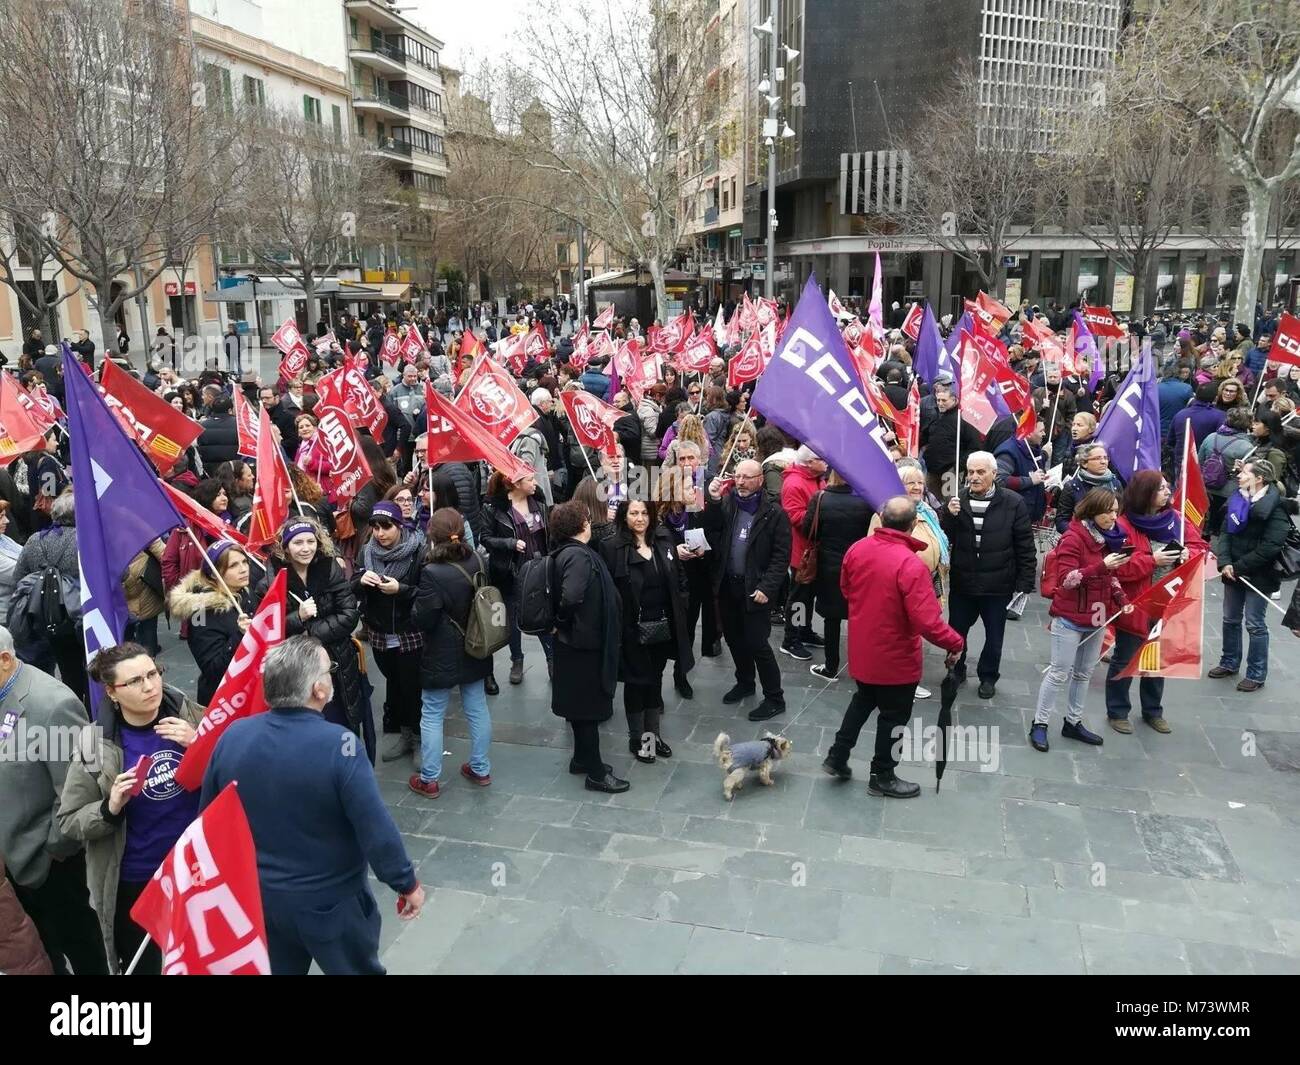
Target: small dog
{"points": [[736, 760]]}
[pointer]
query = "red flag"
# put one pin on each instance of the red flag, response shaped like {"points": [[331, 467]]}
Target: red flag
{"points": [[536, 347], [240, 692], [45, 419], [581, 354], [1286, 341], [907, 426], [348, 390], [197, 516], [347, 469], [605, 318], [837, 308], [271, 490], [976, 374], [1101, 322], [412, 346], [912, 323], [492, 398], [1026, 422], [746, 364], [390, 348], [747, 314], [511, 352], [699, 352], [854, 332], [989, 313], [471, 345], [455, 436], [20, 430], [1193, 498], [765, 312], [160, 429], [592, 420], [290, 343], [203, 906], [245, 425], [1173, 607]]}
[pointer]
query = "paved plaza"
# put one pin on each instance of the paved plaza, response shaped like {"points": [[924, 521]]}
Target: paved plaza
{"points": [[1152, 854]]}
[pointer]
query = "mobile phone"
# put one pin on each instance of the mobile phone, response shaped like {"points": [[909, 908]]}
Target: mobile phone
{"points": [[141, 771], [1127, 550], [401, 904], [1174, 545]]}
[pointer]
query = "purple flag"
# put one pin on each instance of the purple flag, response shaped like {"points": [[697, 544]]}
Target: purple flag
{"points": [[1130, 428], [811, 390], [1086, 343], [929, 348], [120, 509]]}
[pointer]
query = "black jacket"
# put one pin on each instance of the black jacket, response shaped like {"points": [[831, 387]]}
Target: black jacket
{"points": [[219, 441], [442, 603], [768, 556], [1252, 552], [499, 536], [214, 633], [1006, 559], [1074, 489], [85, 350], [844, 520], [469, 500], [283, 416], [388, 613], [939, 441], [618, 552]]}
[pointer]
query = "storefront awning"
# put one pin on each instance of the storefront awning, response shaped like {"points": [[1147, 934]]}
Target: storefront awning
{"points": [[242, 290]]}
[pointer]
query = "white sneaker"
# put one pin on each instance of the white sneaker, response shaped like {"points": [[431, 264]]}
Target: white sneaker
{"points": [[923, 693], [821, 671]]}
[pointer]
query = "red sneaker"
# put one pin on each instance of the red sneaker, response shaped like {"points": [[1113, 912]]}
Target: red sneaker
{"points": [[469, 774], [428, 790]]}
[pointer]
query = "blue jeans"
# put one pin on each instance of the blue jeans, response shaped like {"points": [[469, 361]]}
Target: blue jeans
{"points": [[516, 633], [1075, 654], [433, 708], [1239, 601]]}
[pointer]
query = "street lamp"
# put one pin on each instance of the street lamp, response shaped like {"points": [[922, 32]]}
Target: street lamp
{"points": [[772, 128]]}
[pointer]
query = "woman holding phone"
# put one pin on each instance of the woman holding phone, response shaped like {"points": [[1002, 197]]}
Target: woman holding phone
{"points": [[1080, 572], [121, 796]]}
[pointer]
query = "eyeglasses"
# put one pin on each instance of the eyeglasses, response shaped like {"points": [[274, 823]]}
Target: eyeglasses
{"points": [[138, 683]]}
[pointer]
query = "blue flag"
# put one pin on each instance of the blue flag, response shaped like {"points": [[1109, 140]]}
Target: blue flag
{"points": [[1130, 428], [120, 508], [812, 391]]}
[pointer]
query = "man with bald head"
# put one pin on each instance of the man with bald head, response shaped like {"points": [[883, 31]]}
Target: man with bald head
{"points": [[750, 538], [891, 605]]}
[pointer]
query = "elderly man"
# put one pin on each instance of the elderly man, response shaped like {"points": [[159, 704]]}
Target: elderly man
{"points": [[891, 604], [939, 441], [40, 719], [993, 558], [312, 852], [750, 539], [800, 483]]}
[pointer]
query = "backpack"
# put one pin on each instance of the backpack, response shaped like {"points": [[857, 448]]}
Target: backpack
{"points": [[1215, 471], [45, 605], [1050, 580], [536, 585], [486, 630]]}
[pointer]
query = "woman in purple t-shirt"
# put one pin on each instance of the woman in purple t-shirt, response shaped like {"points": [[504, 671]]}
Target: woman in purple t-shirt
{"points": [[129, 823]]}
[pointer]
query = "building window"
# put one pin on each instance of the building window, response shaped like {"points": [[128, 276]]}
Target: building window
{"points": [[217, 89], [420, 53], [361, 125], [336, 113], [420, 140], [311, 109], [431, 183], [254, 92]]}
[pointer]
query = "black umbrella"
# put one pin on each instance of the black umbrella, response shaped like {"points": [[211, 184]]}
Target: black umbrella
{"points": [[947, 696]]}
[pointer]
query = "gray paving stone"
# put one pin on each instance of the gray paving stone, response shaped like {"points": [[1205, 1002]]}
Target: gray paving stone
{"points": [[1036, 872], [895, 966], [1264, 852], [619, 819], [1203, 926], [1263, 900], [801, 842], [562, 839], [1214, 959], [765, 865], [570, 881], [1186, 847], [501, 938], [892, 854], [996, 942], [849, 878], [665, 853], [1267, 964], [969, 823], [1044, 830], [808, 959], [543, 811], [1027, 762], [1111, 953], [960, 893], [715, 830], [422, 944], [715, 952], [1113, 838], [843, 807], [1099, 798], [588, 942], [1122, 883], [481, 869], [808, 914], [1214, 809], [1153, 776], [1083, 907], [889, 927], [475, 828], [685, 898], [781, 804]]}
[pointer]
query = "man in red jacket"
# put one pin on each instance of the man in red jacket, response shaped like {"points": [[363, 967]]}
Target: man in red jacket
{"points": [[891, 604]]}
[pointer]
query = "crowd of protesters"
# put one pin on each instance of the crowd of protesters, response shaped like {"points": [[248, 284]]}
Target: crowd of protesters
{"points": [[705, 522]]}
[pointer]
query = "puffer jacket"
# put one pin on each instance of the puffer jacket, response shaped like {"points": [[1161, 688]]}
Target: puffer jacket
{"points": [[83, 808], [219, 441], [798, 487], [144, 583], [1087, 593], [648, 411], [1005, 561], [1252, 551], [440, 612], [213, 633], [531, 447], [55, 546], [774, 467], [468, 497]]}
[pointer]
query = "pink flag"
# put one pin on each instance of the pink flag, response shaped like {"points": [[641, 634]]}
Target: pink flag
{"points": [[877, 309]]}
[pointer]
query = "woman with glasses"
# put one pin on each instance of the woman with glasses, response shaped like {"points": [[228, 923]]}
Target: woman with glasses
{"points": [[402, 495], [384, 582], [321, 604], [216, 625], [129, 821]]}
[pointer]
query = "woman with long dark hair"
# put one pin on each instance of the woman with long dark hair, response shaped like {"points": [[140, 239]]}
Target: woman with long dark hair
{"points": [[515, 532]]}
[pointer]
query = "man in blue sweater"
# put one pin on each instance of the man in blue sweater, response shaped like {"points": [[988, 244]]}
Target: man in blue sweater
{"points": [[317, 820]]}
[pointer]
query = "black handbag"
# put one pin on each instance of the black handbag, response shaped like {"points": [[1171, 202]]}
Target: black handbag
{"points": [[1287, 564], [653, 631]]}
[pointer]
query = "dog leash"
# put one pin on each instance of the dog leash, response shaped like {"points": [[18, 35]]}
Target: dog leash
{"points": [[812, 699]]}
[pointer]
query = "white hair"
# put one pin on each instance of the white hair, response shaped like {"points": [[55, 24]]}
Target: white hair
{"points": [[540, 395], [6, 641], [290, 671], [975, 458], [805, 455]]}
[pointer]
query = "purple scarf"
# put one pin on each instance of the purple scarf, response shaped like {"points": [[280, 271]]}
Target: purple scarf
{"points": [[1163, 527], [1238, 514], [1113, 537], [749, 503]]}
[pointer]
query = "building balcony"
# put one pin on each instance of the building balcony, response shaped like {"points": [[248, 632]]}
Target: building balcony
{"points": [[375, 13], [390, 149], [379, 55], [388, 103]]}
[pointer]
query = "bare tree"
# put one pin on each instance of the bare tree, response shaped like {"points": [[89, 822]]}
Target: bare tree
{"points": [[99, 103], [1132, 161], [625, 82], [1233, 66], [981, 175], [22, 244], [310, 199]]}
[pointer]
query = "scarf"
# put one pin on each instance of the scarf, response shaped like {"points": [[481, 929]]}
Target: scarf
{"points": [[676, 521], [1097, 480], [749, 503], [926, 513], [389, 562], [1164, 527], [1113, 538], [1238, 513]]}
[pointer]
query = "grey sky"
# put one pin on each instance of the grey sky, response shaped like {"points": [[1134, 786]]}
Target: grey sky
{"points": [[478, 25]]}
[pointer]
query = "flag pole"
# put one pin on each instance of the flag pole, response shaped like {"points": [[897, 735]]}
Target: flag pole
{"points": [[956, 466], [1267, 598], [1051, 425], [1259, 387], [284, 463], [144, 943], [722, 470], [587, 459], [1182, 487], [213, 566]]}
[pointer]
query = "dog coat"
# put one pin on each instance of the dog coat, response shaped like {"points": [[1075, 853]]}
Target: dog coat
{"points": [[751, 754]]}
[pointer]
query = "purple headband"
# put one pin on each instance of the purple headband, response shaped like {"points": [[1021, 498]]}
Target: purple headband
{"points": [[218, 549], [387, 509], [294, 528]]}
